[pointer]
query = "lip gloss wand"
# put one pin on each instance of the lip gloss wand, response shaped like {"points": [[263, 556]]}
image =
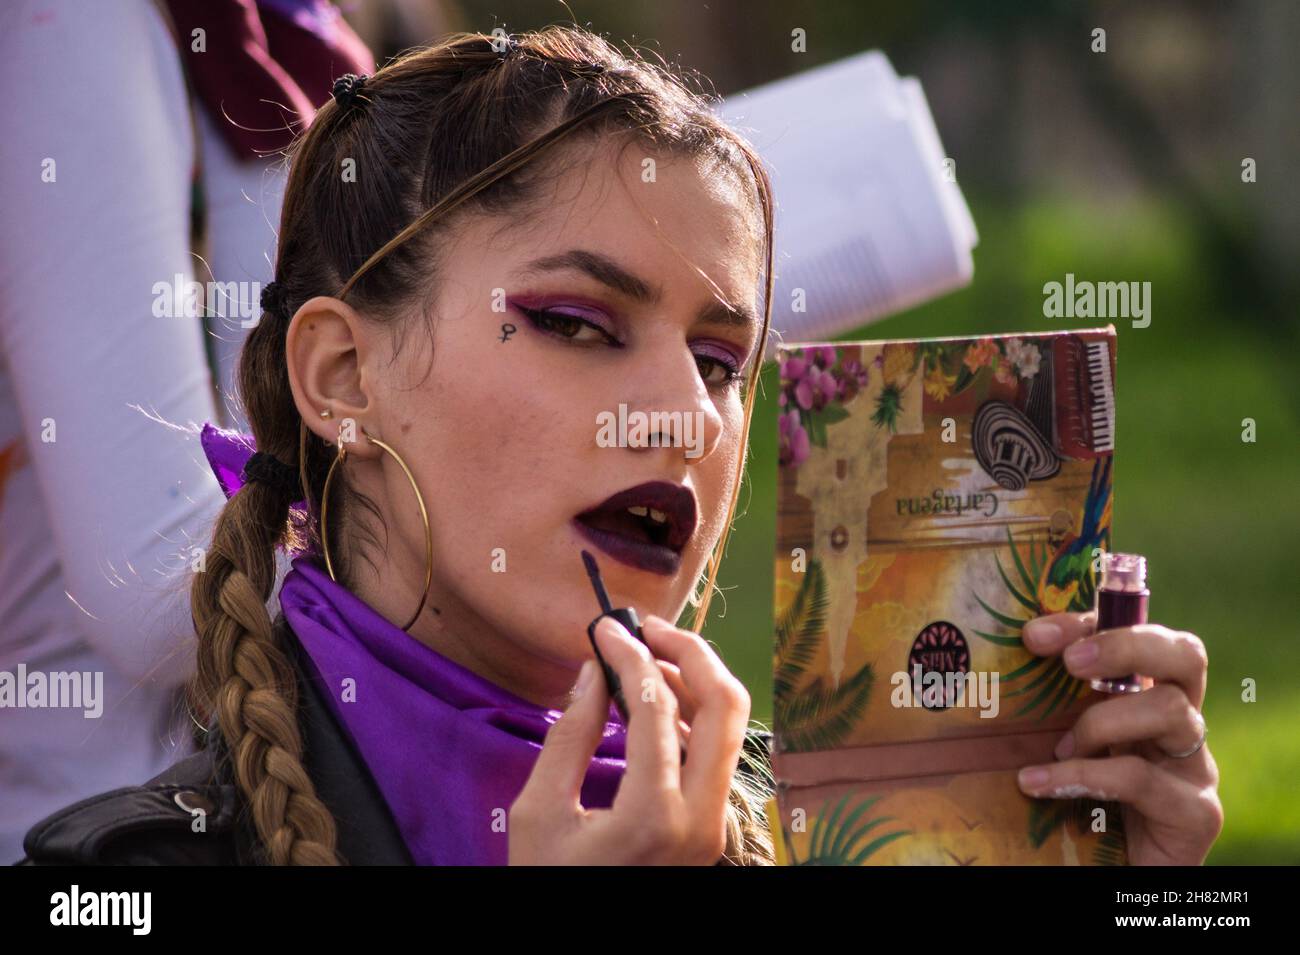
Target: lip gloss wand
{"points": [[627, 616]]}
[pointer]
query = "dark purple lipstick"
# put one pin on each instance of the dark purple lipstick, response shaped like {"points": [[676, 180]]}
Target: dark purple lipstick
{"points": [[645, 527]]}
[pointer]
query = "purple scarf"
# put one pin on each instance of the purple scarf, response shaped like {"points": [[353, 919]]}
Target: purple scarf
{"points": [[449, 749]]}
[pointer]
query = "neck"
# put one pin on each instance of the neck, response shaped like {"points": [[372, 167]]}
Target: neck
{"points": [[453, 630]]}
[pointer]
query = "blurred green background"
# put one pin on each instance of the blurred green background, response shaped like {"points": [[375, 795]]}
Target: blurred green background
{"points": [[1118, 166]]}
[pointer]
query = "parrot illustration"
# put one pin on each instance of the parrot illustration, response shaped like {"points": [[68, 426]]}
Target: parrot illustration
{"points": [[1069, 568]]}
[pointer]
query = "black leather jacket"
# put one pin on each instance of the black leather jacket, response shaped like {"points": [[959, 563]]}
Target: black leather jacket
{"points": [[153, 824]]}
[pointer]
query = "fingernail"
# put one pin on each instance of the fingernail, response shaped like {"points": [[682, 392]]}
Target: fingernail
{"points": [[1040, 633], [1065, 748], [611, 628], [1082, 653], [585, 676], [1032, 777]]}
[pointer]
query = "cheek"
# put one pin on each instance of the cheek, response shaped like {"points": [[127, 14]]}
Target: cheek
{"points": [[716, 475], [503, 454]]}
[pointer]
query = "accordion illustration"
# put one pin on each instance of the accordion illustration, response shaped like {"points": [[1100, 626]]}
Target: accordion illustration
{"points": [[934, 495]]}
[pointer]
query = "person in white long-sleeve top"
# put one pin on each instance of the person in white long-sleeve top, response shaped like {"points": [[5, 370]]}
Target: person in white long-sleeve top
{"points": [[115, 179]]}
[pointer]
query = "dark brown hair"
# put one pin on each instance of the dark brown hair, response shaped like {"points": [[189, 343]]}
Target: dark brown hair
{"points": [[464, 125]]}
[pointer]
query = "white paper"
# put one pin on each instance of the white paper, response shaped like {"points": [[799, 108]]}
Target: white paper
{"points": [[867, 221]]}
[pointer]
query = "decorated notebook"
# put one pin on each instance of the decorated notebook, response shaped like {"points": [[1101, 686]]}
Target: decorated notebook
{"points": [[934, 495]]}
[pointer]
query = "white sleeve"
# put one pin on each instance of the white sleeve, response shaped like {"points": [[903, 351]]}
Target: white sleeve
{"points": [[242, 199], [96, 156]]}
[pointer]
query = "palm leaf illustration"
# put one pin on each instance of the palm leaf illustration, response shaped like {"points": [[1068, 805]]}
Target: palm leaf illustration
{"points": [[1051, 686], [1112, 847], [1048, 815], [888, 405], [819, 717], [798, 630], [813, 715], [838, 839]]}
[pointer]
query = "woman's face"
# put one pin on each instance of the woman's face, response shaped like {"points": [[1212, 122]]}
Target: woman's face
{"points": [[510, 417]]}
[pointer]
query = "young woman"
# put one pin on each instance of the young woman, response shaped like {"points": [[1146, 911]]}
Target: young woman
{"points": [[485, 248]]}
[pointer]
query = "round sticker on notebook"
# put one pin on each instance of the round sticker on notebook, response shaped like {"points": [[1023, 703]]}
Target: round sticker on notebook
{"points": [[939, 649]]}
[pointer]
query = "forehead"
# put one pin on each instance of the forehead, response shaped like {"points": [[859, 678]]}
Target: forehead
{"points": [[669, 217]]}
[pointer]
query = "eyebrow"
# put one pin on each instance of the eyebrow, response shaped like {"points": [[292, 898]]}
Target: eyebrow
{"points": [[609, 273]]}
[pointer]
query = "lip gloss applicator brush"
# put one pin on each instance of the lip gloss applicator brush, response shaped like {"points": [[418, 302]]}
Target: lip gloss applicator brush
{"points": [[626, 616]]}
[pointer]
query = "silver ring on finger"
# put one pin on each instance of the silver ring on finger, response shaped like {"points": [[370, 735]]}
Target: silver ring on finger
{"points": [[1205, 731]]}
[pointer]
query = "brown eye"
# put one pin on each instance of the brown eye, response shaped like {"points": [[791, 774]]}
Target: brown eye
{"points": [[570, 327], [716, 373], [565, 325]]}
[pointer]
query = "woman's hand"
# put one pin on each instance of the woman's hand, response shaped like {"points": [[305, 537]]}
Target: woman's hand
{"points": [[1119, 749], [666, 812]]}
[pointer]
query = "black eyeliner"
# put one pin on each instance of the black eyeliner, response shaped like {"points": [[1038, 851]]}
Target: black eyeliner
{"points": [[535, 316]]}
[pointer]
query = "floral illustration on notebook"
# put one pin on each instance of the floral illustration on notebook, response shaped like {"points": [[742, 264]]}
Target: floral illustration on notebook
{"points": [[934, 495]]}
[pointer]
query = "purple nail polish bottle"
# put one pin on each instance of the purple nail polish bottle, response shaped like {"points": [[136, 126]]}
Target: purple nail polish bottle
{"points": [[1122, 601]]}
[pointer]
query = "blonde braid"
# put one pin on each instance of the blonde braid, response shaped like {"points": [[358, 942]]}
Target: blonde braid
{"points": [[248, 680]]}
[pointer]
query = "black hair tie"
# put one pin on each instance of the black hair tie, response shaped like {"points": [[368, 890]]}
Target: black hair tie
{"points": [[269, 470], [273, 299], [347, 86]]}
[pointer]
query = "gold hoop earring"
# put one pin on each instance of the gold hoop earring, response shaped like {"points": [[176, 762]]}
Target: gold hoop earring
{"points": [[424, 516]]}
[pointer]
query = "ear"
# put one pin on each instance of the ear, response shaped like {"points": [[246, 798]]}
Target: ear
{"points": [[326, 350]]}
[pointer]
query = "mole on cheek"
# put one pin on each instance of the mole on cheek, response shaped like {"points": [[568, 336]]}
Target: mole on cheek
{"points": [[406, 427]]}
